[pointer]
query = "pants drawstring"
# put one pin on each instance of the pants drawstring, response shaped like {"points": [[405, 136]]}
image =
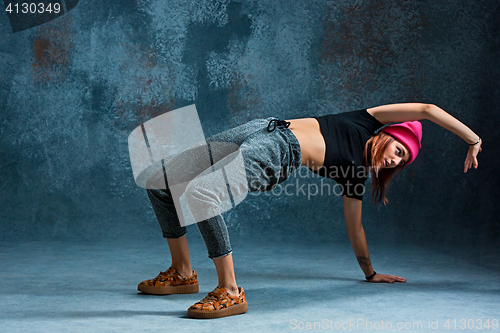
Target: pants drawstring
{"points": [[276, 122]]}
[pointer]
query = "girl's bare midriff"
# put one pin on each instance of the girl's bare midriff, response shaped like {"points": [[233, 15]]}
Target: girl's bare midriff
{"points": [[312, 143]]}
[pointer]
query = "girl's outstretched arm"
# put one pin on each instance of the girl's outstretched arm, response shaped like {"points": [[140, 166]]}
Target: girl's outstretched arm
{"points": [[445, 120], [417, 111], [352, 214]]}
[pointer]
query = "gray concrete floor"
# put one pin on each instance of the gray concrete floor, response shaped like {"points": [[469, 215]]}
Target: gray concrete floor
{"points": [[91, 287]]}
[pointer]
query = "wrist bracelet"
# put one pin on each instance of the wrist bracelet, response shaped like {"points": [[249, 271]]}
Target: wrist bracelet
{"points": [[472, 144], [368, 278]]}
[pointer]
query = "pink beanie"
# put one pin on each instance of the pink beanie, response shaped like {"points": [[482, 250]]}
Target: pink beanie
{"points": [[408, 133]]}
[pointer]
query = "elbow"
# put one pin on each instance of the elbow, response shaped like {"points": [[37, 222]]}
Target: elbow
{"points": [[427, 110]]}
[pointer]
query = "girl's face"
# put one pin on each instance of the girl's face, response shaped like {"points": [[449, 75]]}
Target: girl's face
{"points": [[395, 154]]}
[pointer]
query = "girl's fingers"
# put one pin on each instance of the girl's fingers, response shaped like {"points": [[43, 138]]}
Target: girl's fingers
{"points": [[467, 165]]}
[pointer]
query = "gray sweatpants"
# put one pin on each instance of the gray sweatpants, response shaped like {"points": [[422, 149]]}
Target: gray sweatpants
{"points": [[269, 156]]}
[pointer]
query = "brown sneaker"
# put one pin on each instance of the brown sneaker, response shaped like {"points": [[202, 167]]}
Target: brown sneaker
{"points": [[219, 303], [170, 282]]}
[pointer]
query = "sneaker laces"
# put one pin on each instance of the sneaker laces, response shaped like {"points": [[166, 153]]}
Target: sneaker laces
{"points": [[212, 296], [162, 275]]}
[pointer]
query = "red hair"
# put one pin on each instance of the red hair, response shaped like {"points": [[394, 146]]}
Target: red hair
{"points": [[374, 156]]}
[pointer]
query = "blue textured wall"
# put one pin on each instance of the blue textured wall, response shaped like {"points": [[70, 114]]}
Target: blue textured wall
{"points": [[72, 90]]}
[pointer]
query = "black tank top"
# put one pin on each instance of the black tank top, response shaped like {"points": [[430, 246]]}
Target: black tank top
{"points": [[345, 137]]}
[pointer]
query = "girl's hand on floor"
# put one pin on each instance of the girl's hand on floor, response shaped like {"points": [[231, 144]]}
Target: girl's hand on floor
{"points": [[379, 278]]}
